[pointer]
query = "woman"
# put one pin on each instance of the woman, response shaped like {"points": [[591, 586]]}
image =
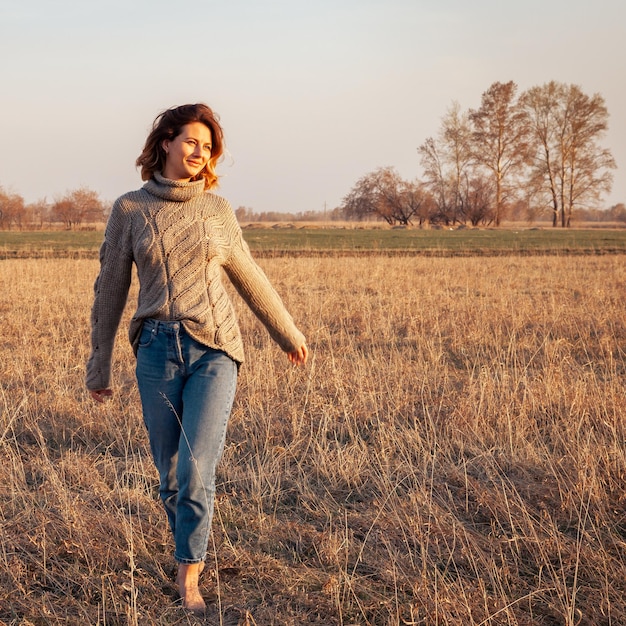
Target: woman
{"points": [[184, 332]]}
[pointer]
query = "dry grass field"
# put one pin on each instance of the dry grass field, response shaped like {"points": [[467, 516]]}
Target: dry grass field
{"points": [[454, 453]]}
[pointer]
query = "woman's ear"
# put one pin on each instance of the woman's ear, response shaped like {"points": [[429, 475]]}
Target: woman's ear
{"points": [[165, 144]]}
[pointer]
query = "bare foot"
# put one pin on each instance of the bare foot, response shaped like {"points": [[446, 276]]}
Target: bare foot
{"points": [[187, 579]]}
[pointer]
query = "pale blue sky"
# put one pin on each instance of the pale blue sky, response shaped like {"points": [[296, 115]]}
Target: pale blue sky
{"points": [[312, 94]]}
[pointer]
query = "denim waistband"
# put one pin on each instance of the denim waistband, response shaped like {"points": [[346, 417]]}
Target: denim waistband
{"points": [[164, 326]]}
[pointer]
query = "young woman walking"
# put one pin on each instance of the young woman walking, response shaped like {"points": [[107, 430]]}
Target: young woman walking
{"points": [[184, 332]]}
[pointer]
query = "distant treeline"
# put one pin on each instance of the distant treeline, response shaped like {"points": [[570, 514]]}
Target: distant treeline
{"points": [[527, 158], [516, 213], [83, 209], [75, 209]]}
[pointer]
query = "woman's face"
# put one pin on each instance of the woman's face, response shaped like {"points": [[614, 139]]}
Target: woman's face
{"points": [[188, 153]]}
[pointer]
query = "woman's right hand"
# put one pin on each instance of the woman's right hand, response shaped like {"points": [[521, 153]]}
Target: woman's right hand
{"points": [[100, 395], [300, 356]]}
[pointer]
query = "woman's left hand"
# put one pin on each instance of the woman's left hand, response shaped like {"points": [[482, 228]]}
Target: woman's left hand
{"points": [[299, 357]]}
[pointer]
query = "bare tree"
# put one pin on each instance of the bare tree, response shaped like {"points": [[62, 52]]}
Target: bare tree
{"points": [[434, 166], [568, 165], [78, 206], [456, 136], [38, 212], [446, 162], [415, 202], [478, 200], [243, 214], [587, 172], [617, 212], [499, 140], [384, 194], [546, 123], [11, 210]]}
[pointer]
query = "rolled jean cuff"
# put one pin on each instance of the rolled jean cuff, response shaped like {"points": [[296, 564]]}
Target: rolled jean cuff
{"points": [[189, 561]]}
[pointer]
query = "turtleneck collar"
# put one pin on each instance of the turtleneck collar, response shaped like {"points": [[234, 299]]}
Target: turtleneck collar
{"points": [[173, 190]]}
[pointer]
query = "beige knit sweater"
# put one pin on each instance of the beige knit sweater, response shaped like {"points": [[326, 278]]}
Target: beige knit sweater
{"points": [[179, 238]]}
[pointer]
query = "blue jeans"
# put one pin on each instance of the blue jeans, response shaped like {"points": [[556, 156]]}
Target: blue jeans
{"points": [[187, 392]]}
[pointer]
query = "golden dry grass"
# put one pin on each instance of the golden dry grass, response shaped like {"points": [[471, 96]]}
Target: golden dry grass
{"points": [[453, 454]]}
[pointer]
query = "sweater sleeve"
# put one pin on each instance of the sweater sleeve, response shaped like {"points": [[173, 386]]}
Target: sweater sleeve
{"points": [[110, 295], [258, 293]]}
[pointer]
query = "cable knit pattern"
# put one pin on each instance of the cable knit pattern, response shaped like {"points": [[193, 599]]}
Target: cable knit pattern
{"points": [[179, 237]]}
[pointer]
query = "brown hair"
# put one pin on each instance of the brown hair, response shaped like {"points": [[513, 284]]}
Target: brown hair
{"points": [[168, 125]]}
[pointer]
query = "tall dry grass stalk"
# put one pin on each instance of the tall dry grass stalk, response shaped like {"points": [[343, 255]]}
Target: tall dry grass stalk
{"points": [[453, 454]]}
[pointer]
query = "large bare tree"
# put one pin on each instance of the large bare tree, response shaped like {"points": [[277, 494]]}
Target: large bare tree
{"points": [[78, 206], [446, 161], [499, 140], [569, 166], [385, 194], [541, 108]]}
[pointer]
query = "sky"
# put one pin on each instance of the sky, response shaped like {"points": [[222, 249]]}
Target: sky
{"points": [[312, 95]]}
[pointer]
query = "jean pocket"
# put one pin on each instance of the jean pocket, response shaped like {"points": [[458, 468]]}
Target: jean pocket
{"points": [[147, 336]]}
